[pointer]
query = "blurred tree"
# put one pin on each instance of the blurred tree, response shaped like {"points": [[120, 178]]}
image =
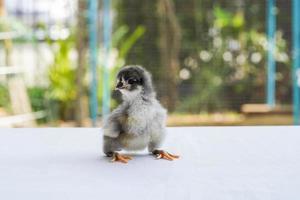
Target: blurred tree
{"points": [[209, 31], [132, 14], [81, 48], [158, 49], [169, 46]]}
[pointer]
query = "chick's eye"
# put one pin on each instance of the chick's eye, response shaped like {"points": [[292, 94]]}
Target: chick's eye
{"points": [[132, 81]]}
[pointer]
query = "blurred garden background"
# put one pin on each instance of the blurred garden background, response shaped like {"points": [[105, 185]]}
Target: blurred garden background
{"points": [[209, 59]]}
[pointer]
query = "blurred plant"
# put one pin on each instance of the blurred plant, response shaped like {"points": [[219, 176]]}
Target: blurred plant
{"points": [[62, 77], [232, 65], [122, 42], [62, 71], [37, 97], [39, 101], [4, 97]]}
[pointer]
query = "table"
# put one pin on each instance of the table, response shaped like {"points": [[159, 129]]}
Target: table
{"points": [[216, 163]]}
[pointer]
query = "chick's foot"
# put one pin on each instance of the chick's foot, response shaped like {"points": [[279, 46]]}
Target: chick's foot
{"points": [[120, 158], [164, 155]]}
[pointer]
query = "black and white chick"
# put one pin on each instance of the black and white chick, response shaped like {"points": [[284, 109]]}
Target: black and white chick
{"points": [[139, 121]]}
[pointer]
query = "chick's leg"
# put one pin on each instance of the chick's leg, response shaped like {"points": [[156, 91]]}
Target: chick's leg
{"points": [[160, 154], [116, 157], [110, 146], [155, 144]]}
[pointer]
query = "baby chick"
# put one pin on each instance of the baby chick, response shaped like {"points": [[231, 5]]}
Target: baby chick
{"points": [[139, 122]]}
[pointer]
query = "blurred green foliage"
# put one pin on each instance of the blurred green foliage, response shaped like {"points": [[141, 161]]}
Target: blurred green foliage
{"points": [[230, 70], [222, 55], [122, 42], [4, 97], [38, 98], [62, 72], [62, 87], [225, 19], [145, 52], [39, 102]]}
